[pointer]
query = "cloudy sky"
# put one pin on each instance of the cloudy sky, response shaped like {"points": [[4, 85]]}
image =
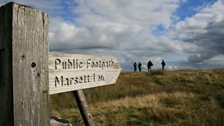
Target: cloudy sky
{"points": [[187, 34]]}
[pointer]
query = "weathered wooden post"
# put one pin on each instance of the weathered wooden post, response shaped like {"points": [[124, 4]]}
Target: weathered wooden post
{"points": [[83, 107], [23, 66]]}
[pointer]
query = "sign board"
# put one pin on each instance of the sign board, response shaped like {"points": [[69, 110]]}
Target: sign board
{"points": [[69, 72]]}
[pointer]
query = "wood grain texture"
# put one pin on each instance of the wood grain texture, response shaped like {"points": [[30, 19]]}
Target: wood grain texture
{"points": [[69, 72], [30, 66], [26, 56]]}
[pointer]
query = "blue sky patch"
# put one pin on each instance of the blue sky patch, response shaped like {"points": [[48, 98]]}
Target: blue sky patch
{"points": [[191, 7], [66, 12], [159, 30]]}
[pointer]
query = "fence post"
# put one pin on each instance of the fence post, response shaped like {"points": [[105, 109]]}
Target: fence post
{"points": [[23, 66]]}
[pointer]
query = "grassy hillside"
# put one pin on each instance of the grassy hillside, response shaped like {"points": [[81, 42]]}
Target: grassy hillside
{"points": [[174, 98]]}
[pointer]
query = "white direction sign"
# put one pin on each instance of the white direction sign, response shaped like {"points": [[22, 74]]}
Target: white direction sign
{"points": [[69, 72]]}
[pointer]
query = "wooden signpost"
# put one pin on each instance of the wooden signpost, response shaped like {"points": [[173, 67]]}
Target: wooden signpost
{"points": [[28, 75], [23, 66], [69, 72]]}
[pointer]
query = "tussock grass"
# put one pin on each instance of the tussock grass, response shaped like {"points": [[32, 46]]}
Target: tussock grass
{"points": [[171, 98], [152, 100], [157, 72]]}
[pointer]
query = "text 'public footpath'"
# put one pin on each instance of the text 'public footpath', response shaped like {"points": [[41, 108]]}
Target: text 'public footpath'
{"points": [[76, 64]]}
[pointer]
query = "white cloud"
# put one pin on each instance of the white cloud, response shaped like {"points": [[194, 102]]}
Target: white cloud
{"points": [[119, 25], [217, 60], [145, 13], [202, 35]]}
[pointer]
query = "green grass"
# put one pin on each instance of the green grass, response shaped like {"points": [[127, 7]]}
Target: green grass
{"points": [[167, 98]]}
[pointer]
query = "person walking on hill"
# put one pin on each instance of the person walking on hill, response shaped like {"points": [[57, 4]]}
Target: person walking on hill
{"points": [[135, 66], [139, 66], [163, 64], [149, 65]]}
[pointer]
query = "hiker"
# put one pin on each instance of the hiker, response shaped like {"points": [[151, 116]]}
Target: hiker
{"points": [[150, 64], [135, 66], [163, 64], [139, 66]]}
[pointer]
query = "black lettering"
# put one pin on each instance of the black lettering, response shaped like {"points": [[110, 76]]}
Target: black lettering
{"points": [[103, 65], [94, 77], [81, 80], [56, 81], [88, 78], [80, 65], [112, 62], [96, 64], [101, 78], [88, 63], [100, 64], [71, 80], [67, 81], [57, 62], [84, 80], [70, 64], [64, 65], [62, 80], [76, 80]]}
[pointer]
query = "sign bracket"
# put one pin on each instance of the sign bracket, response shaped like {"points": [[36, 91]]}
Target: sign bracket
{"points": [[83, 108]]}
